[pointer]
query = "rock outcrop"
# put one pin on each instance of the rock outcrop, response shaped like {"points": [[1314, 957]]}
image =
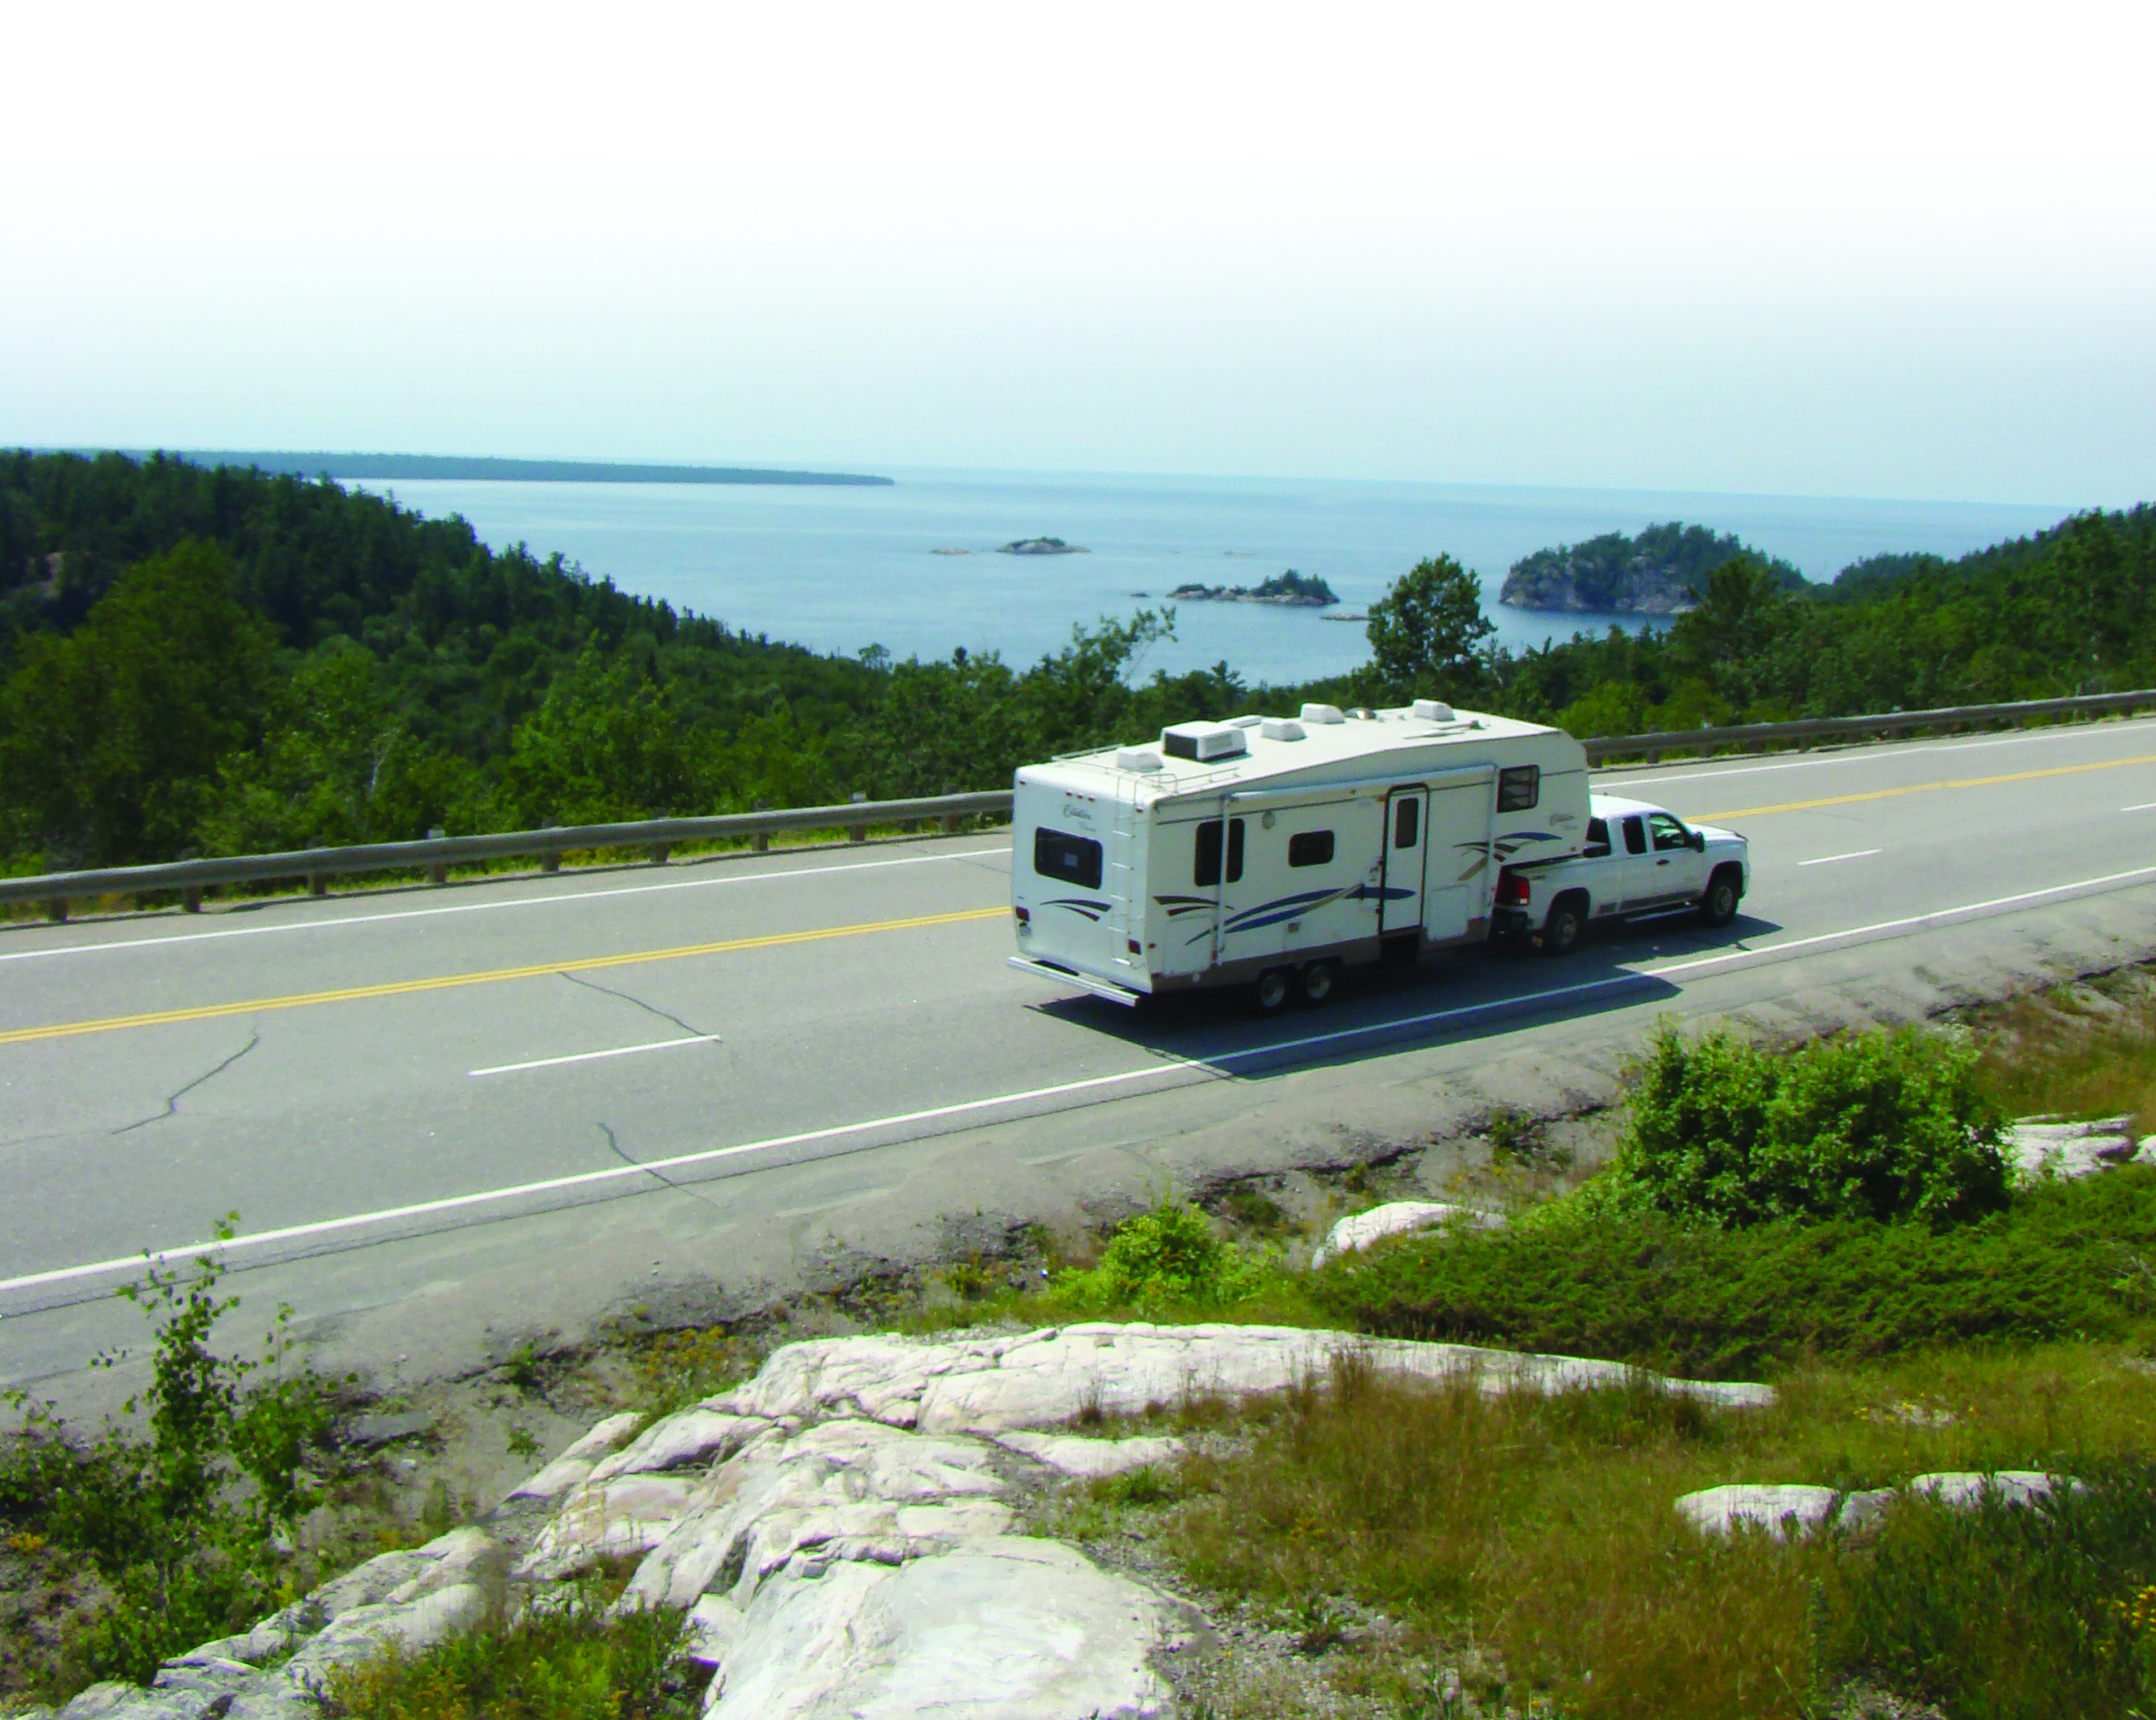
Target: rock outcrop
{"points": [[842, 1530], [1784, 1511], [1397, 1217]]}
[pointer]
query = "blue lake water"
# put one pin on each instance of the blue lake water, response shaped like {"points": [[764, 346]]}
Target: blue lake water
{"points": [[839, 569]]}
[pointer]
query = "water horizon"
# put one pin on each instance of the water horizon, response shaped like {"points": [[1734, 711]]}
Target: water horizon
{"points": [[843, 569]]}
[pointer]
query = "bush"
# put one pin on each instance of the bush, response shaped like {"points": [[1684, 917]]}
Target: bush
{"points": [[1641, 1287], [1161, 1258], [576, 1662], [1878, 1126]]}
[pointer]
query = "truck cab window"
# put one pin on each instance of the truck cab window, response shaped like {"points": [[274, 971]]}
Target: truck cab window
{"points": [[1636, 835], [1669, 833], [1519, 788], [1208, 868], [1310, 848], [1067, 859], [1597, 839], [1406, 823]]}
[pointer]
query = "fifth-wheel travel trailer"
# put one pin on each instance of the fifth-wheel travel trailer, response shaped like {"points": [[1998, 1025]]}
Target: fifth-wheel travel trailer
{"points": [[1273, 851]]}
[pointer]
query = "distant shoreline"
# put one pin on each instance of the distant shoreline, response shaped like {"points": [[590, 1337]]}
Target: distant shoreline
{"points": [[416, 466]]}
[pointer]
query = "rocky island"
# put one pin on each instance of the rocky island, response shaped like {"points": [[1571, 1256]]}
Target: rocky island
{"points": [[1041, 547], [1661, 572], [1291, 590]]}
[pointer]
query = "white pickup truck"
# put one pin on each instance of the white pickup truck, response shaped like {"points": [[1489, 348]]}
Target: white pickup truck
{"points": [[1638, 860]]}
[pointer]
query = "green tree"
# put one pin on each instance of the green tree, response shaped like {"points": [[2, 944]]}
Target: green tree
{"points": [[1426, 631], [604, 746], [110, 736]]}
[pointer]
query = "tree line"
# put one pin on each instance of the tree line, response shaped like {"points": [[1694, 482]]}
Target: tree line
{"points": [[210, 660]]}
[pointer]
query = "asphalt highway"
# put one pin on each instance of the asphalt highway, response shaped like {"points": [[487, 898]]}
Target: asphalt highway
{"points": [[344, 1073]]}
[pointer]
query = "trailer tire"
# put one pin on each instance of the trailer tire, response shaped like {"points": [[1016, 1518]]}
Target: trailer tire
{"points": [[1561, 930], [1315, 983], [1718, 905], [1269, 992]]}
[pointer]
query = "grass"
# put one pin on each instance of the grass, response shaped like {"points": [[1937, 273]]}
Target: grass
{"points": [[574, 1662], [1529, 1545], [2080, 1050]]}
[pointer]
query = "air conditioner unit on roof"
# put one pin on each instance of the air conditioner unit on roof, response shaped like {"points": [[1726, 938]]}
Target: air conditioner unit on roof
{"points": [[1204, 742]]}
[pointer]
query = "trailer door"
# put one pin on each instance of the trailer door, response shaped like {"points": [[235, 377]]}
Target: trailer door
{"points": [[1407, 849]]}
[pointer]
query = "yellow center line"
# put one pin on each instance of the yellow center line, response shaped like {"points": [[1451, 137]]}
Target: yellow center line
{"points": [[2019, 776], [491, 975]]}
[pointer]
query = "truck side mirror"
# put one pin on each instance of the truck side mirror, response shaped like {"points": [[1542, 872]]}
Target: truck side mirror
{"points": [[1698, 842]]}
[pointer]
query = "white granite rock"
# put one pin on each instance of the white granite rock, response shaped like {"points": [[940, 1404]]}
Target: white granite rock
{"points": [[2069, 1149], [1092, 1458], [602, 1519], [1013, 1629], [1862, 1512], [1780, 1511], [366, 1631], [693, 1437], [574, 1466], [1397, 1217], [1964, 1488]]}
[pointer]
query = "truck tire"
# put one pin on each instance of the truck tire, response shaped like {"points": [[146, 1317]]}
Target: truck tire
{"points": [[1718, 905], [1315, 983], [1270, 990], [1561, 930]]}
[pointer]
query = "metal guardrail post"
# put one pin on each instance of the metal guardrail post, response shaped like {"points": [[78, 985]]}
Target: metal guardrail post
{"points": [[438, 871], [857, 832], [550, 859]]}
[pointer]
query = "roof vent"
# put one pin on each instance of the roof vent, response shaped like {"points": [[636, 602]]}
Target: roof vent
{"points": [[1432, 710], [1363, 713], [1244, 722], [1323, 713], [1204, 742], [1281, 728], [1137, 758]]}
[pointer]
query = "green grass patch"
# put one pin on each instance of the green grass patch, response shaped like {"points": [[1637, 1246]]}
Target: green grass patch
{"points": [[573, 1662]]}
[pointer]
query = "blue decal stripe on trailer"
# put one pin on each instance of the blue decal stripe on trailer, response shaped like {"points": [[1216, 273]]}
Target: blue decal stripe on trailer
{"points": [[1078, 905]]}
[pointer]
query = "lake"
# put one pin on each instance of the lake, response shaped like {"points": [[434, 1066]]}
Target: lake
{"points": [[843, 569]]}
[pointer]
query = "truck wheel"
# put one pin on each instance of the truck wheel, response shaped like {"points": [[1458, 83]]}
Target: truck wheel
{"points": [[1718, 907], [1316, 983], [1269, 991], [1561, 931]]}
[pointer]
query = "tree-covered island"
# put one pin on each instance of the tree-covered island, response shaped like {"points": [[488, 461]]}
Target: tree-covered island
{"points": [[1040, 546], [1291, 590], [1662, 571]]}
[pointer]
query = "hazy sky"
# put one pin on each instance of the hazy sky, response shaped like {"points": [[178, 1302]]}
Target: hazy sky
{"points": [[1866, 249]]}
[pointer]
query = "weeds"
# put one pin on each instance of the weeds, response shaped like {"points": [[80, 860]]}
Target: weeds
{"points": [[576, 1662]]}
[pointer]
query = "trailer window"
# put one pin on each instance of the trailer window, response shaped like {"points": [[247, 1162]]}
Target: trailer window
{"points": [[1519, 788], [1207, 870], [1597, 839], [1067, 859], [1407, 823], [1310, 848]]}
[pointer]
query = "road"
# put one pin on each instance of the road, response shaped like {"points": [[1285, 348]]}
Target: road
{"points": [[394, 1087]]}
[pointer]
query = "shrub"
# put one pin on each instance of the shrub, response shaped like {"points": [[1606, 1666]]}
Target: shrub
{"points": [[1166, 1256], [1878, 1126], [1639, 1285]]}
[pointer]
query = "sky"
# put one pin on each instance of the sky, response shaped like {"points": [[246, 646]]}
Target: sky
{"points": [[1840, 250]]}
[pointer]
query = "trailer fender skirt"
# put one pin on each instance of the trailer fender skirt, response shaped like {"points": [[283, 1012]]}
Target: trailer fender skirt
{"points": [[1085, 982]]}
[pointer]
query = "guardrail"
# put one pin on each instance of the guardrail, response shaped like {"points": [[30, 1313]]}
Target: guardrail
{"points": [[436, 855], [1806, 730]]}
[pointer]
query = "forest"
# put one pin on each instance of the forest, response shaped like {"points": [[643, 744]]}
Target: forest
{"points": [[198, 660]]}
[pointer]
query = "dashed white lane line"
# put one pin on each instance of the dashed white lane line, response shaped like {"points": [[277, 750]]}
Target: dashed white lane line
{"points": [[701, 1039], [1216, 1066], [2143, 806], [566, 898], [1828, 859]]}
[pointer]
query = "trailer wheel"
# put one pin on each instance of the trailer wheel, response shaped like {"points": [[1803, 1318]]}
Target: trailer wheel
{"points": [[1718, 907], [1269, 991], [1561, 931], [1316, 983]]}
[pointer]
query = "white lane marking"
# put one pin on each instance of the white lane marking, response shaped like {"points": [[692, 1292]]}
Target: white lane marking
{"points": [[701, 1039], [1861, 754], [1169, 1063], [1828, 859], [482, 907], [2144, 806]]}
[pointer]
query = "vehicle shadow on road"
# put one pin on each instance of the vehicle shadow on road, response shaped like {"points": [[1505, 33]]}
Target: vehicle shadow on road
{"points": [[1446, 999]]}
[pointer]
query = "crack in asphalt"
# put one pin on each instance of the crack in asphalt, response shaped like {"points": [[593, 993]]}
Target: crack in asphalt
{"points": [[173, 1101], [648, 1009], [604, 1128]]}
